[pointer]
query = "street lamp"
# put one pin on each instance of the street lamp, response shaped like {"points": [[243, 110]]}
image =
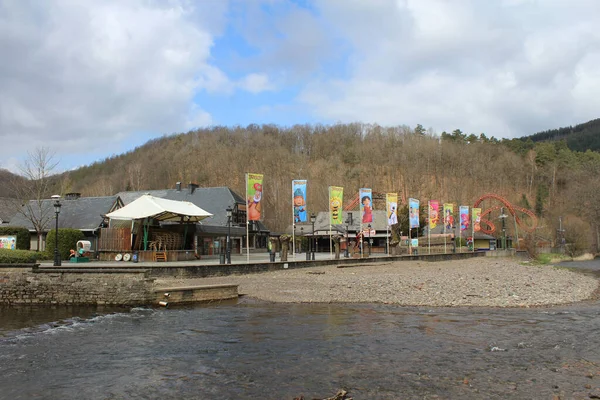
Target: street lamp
{"points": [[370, 240], [503, 218], [57, 206], [313, 218], [561, 234], [228, 249]]}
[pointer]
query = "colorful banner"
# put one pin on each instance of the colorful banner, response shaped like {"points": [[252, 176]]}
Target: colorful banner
{"points": [[366, 205], [434, 213], [336, 198], [299, 201], [391, 205], [413, 213], [8, 242], [254, 191], [476, 212], [464, 218], [448, 217]]}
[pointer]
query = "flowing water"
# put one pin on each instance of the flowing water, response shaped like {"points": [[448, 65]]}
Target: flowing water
{"points": [[254, 350]]}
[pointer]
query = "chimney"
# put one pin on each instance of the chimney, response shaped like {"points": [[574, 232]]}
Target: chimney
{"points": [[178, 186], [192, 187], [72, 196]]}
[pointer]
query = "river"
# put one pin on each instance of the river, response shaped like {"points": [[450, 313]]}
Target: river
{"points": [[247, 349]]}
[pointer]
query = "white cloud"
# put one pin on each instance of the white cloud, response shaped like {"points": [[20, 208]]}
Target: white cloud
{"points": [[507, 69], [256, 83], [99, 71]]}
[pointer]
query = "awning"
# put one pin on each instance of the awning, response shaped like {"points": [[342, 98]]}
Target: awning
{"points": [[160, 209]]}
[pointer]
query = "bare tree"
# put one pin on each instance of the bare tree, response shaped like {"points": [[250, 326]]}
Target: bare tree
{"points": [[34, 189]]}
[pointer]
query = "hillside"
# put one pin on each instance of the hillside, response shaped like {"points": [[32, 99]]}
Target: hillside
{"points": [[580, 137], [8, 180]]}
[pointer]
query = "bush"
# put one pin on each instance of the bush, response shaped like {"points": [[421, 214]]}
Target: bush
{"points": [[22, 234], [18, 256], [67, 240]]}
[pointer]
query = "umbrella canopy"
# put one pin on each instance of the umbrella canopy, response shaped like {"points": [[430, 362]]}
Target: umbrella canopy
{"points": [[160, 209]]}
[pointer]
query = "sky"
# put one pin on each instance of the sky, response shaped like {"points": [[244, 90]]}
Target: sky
{"points": [[89, 79]]}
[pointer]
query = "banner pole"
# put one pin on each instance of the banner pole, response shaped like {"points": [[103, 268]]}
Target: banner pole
{"points": [[459, 232], [409, 238], [387, 239], [247, 224], [293, 225], [473, 230], [330, 241], [428, 227], [361, 236], [443, 219]]}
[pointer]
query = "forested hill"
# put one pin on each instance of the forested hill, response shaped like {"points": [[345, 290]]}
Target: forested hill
{"points": [[8, 180], [580, 137], [454, 167]]}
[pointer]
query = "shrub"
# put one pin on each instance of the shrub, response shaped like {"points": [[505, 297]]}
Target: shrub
{"points": [[67, 240], [18, 256], [22, 234]]}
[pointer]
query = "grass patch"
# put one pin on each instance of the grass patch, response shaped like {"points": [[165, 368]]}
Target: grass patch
{"points": [[548, 258]]}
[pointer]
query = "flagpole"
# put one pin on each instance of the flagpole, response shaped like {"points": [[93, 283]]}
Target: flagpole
{"points": [[444, 223], [428, 227], [473, 230], [330, 241], [409, 237], [361, 235], [387, 238], [247, 224], [459, 231], [293, 225]]}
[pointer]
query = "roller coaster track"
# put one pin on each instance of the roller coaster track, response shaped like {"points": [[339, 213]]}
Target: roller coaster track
{"points": [[512, 209], [352, 205]]}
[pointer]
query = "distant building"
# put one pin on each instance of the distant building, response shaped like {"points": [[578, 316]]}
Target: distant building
{"points": [[83, 213]]}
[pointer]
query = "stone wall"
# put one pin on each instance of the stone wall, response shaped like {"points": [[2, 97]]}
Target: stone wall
{"points": [[22, 286]]}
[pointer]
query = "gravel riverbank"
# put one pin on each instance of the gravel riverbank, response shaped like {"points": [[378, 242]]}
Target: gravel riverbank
{"points": [[488, 282]]}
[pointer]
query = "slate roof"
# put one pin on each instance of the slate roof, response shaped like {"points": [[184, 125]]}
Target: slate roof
{"points": [[85, 213], [215, 200], [7, 210]]}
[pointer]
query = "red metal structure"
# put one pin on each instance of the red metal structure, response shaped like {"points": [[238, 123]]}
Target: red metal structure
{"points": [[512, 209]]}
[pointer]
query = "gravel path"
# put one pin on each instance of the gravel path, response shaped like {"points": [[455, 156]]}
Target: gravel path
{"points": [[472, 282]]}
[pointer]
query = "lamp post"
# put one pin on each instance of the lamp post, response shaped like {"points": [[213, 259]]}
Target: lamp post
{"points": [[370, 240], [300, 242], [57, 206], [228, 248], [313, 218], [561, 235], [503, 218]]}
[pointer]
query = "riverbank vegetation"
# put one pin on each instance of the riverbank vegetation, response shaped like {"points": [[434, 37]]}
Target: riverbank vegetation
{"points": [[8, 256]]}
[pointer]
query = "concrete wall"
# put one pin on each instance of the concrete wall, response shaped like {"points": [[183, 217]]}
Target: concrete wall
{"points": [[194, 294], [201, 271], [22, 286]]}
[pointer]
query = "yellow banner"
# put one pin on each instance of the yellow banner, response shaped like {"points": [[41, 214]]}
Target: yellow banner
{"points": [[336, 198]]}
